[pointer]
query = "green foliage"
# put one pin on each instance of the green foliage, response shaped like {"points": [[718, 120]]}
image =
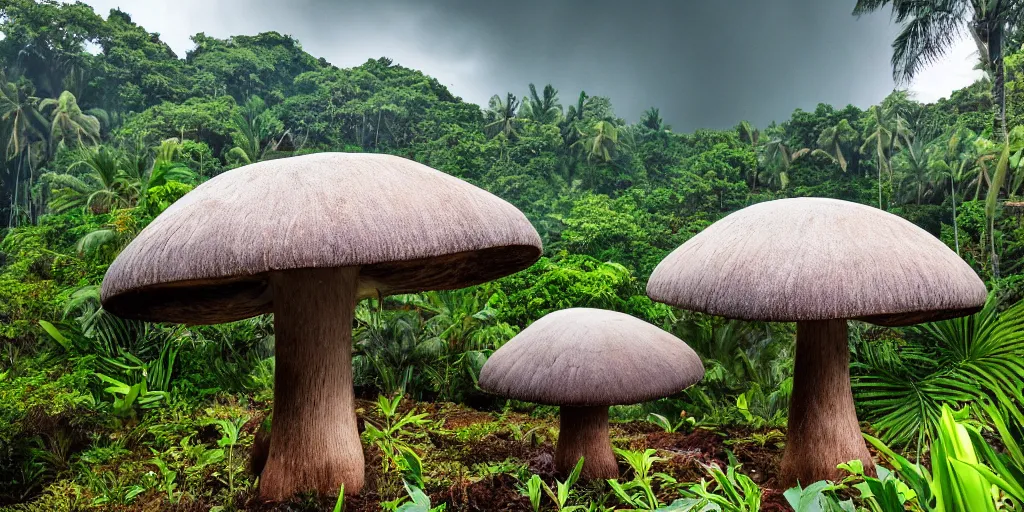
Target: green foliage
{"points": [[639, 492], [951, 362], [392, 437], [97, 143], [735, 492]]}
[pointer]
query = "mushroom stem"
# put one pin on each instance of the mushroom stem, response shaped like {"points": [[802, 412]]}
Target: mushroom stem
{"points": [[583, 432], [314, 442], [823, 428]]}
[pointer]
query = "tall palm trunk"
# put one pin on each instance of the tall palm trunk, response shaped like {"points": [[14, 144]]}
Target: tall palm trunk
{"points": [[956, 230], [995, 55], [992, 246], [880, 180]]}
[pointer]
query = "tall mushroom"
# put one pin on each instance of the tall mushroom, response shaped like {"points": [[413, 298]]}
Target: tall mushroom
{"points": [[305, 238], [818, 262], [585, 360]]}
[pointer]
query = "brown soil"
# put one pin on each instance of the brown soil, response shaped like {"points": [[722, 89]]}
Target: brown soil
{"points": [[454, 459], [462, 419]]}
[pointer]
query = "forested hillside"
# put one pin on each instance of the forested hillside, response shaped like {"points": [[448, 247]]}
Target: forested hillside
{"points": [[104, 127]]}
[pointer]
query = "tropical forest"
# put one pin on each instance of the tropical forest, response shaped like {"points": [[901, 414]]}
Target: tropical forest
{"points": [[245, 278]]}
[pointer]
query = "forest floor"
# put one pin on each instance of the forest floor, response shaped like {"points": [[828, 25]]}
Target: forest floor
{"points": [[472, 461], [477, 461]]}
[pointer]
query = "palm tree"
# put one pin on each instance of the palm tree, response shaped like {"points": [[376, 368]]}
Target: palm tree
{"points": [[599, 143], [880, 141], [502, 116], [651, 119], [987, 152], [100, 189], [69, 126], [543, 110], [915, 175], [165, 168], [750, 135], [573, 116], [953, 165], [255, 129], [930, 27], [833, 139], [22, 124], [777, 157]]}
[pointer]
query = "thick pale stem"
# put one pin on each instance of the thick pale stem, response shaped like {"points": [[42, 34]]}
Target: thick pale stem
{"points": [[823, 427], [314, 442], [583, 432]]}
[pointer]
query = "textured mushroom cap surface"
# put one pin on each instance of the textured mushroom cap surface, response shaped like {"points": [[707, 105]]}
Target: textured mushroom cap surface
{"points": [[817, 259], [591, 357], [408, 227]]}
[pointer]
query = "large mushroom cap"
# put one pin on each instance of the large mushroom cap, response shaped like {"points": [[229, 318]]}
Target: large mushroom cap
{"points": [[591, 357], [409, 227], [817, 259]]}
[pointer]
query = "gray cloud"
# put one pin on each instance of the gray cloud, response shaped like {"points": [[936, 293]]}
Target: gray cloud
{"points": [[704, 63]]}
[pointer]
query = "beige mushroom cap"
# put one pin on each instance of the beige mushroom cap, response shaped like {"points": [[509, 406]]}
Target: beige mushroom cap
{"points": [[410, 228], [590, 357], [817, 259]]}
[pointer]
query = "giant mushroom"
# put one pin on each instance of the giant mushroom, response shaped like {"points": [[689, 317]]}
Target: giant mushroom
{"points": [[306, 238], [585, 360], [818, 262]]}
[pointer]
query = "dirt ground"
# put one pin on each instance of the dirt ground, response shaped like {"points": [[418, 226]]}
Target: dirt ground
{"points": [[465, 440]]}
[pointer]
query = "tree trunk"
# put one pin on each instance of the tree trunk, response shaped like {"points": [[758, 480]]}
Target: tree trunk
{"points": [[880, 155], [583, 432], [995, 52], [992, 245], [314, 442], [823, 429], [956, 231]]}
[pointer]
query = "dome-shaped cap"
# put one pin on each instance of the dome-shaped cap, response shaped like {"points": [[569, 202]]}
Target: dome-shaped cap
{"points": [[817, 259], [590, 357], [408, 227]]}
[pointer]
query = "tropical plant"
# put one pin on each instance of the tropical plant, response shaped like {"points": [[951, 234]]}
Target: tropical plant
{"points": [[229, 434], [953, 165], [880, 141], [255, 131], [501, 115], [931, 27], [833, 141], [392, 437], [599, 142], [639, 492], [543, 109], [100, 189], [777, 156], [390, 345], [560, 495], [953, 484], [22, 126], [69, 126], [884, 493], [651, 120], [949, 362], [915, 173], [1005, 468], [733, 492]]}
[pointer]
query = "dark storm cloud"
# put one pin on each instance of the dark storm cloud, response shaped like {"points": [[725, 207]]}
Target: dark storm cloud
{"points": [[707, 63], [704, 63]]}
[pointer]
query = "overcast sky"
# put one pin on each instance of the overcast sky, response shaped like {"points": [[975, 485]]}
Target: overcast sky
{"points": [[704, 63]]}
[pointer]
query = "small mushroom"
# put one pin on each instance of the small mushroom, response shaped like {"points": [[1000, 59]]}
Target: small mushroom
{"points": [[818, 262], [585, 360], [305, 238]]}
